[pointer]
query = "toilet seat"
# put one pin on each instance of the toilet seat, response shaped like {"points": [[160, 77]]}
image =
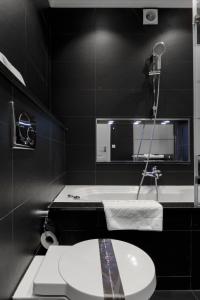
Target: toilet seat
{"points": [[86, 272]]}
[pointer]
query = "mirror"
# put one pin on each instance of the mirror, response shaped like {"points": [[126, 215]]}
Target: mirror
{"points": [[129, 140]]}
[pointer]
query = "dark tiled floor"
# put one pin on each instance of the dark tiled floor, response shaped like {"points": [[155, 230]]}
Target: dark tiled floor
{"points": [[176, 295]]}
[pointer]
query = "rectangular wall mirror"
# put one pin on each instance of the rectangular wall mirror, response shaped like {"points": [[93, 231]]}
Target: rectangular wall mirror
{"points": [[128, 140]]}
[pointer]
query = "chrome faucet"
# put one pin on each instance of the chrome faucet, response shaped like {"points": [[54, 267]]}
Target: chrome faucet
{"points": [[155, 173]]}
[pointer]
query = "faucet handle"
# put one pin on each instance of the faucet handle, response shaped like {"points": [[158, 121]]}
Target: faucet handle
{"points": [[70, 196]]}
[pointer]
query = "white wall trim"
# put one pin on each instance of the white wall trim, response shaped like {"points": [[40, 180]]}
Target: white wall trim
{"points": [[122, 3]]}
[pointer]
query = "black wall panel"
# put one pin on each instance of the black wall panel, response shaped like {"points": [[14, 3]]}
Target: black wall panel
{"points": [[29, 180], [24, 38], [98, 71]]}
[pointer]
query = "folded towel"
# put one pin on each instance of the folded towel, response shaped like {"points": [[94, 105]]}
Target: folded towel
{"points": [[10, 67], [133, 215]]}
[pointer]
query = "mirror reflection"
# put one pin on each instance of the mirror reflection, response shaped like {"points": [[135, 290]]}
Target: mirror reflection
{"points": [[129, 140]]}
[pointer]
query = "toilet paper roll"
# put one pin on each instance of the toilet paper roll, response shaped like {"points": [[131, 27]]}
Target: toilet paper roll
{"points": [[48, 239]]}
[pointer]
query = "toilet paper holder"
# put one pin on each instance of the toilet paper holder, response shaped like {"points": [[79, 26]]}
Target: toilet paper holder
{"points": [[48, 236]]}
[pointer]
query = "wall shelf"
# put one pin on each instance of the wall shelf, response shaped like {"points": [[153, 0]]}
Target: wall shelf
{"points": [[23, 89]]}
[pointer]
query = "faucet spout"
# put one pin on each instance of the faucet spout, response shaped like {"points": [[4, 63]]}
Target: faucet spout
{"points": [[155, 173]]}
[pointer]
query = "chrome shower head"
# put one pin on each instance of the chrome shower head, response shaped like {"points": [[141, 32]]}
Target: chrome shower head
{"points": [[158, 50]]}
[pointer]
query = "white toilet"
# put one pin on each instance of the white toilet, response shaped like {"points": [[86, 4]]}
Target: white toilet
{"points": [[90, 270]]}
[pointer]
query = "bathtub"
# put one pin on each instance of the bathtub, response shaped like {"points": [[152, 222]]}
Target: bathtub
{"points": [[97, 193]]}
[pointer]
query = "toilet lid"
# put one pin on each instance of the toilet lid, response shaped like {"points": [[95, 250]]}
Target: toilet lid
{"points": [[97, 269]]}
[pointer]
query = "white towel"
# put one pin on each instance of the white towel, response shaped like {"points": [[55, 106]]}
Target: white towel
{"points": [[133, 215], [12, 69]]}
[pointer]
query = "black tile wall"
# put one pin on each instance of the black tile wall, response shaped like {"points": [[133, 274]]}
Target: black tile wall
{"points": [[80, 177], [7, 259], [24, 41], [174, 295], [6, 170], [30, 180], [97, 71]]}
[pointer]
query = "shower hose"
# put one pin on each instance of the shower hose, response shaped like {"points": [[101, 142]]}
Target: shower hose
{"points": [[156, 80]]}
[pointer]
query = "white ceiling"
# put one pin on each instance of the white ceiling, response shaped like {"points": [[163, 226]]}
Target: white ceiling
{"points": [[121, 3]]}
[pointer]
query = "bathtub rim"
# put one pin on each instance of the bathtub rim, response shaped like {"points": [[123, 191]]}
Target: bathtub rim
{"points": [[67, 189]]}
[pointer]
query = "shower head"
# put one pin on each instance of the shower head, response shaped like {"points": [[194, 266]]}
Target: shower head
{"points": [[158, 50]]}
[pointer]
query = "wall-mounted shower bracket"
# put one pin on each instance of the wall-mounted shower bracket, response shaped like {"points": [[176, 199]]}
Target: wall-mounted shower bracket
{"points": [[197, 19]]}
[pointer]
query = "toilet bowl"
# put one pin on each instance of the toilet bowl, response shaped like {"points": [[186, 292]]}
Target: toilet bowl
{"points": [[94, 270]]}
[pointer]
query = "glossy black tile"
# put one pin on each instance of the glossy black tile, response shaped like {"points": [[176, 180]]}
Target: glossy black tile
{"points": [[31, 171], [120, 167], [70, 21], [197, 295], [5, 97], [173, 253], [196, 220], [124, 103], [37, 83], [195, 265], [173, 283], [123, 74], [117, 178], [73, 75], [80, 157], [57, 134], [178, 177], [118, 47], [120, 88], [37, 49], [5, 170], [74, 219], [53, 189], [29, 179], [13, 12], [128, 177], [131, 21], [73, 102], [80, 177], [74, 48], [180, 100], [80, 130], [176, 77], [26, 236], [57, 158], [177, 219], [173, 295], [122, 21], [178, 39], [138, 167], [8, 281], [37, 38], [25, 35]]}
